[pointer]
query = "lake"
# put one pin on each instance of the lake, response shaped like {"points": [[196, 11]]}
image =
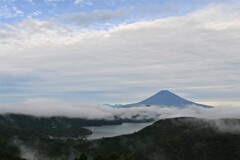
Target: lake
{"points": [[115, 130]]}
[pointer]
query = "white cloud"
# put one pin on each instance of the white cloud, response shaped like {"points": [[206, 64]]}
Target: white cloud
{"points": [[49, 108], [83, 2], [195, 54], [53, 2], [9, 11], [36, 13], [98, 16]]}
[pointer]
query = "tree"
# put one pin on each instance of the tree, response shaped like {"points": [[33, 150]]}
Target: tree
{"points": [[82, 157], [114, 156], [99, 157], [124, 157]]}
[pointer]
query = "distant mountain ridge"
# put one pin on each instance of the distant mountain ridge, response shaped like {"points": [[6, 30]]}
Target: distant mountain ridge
{"points": [[167, 99]]}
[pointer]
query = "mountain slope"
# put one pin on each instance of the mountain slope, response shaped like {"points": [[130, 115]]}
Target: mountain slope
{"points": [[14, 124], [178, 139], [51, 126], [167, 99]]}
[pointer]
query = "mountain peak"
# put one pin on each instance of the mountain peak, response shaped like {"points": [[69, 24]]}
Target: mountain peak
{"points": [[167, 98], [164, 92]]}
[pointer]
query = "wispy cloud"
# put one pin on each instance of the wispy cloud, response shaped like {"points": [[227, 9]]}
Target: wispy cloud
{"points": [[36, 13], [97, 16], [8, 11], [83, 2]]}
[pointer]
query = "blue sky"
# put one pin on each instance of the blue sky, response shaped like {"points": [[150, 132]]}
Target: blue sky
{"points": [[119, 51], [131, 11]]}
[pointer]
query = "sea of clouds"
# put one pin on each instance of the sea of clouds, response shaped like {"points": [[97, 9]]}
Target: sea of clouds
{"points": [[50, 108]]}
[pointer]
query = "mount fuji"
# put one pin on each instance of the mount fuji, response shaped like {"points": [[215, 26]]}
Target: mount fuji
{"points": [[166, 98]]}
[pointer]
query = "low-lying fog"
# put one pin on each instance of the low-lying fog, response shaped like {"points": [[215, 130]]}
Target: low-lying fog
{"points": [[49, 108]]}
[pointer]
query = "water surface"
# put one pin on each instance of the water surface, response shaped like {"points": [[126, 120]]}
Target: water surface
{"points": [[115, 130]]}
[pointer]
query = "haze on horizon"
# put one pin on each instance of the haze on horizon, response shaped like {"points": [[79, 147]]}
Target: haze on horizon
{"points": [[118, 51]]}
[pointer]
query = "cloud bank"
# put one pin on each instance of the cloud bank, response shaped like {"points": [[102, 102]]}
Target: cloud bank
{"points": [[49, 108]]}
